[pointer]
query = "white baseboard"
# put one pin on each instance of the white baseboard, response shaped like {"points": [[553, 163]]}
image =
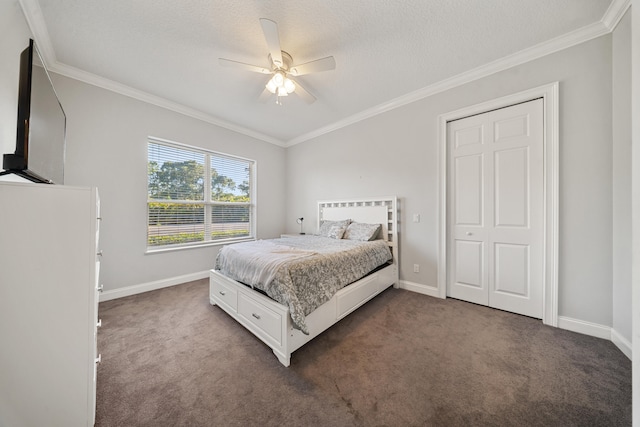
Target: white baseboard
{"points": [[432, 291], [584, 327], [568, 323], [151, 286], [622, 343], [598, 331]]}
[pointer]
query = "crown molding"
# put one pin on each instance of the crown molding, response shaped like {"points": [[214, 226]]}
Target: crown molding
{"points": [[611, 18], [139, 95], [614, 13], [565, 41], [606, 25], [35, 21]]}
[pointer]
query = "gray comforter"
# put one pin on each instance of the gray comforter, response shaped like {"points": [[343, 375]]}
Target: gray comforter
{"points": [[303, 272]]}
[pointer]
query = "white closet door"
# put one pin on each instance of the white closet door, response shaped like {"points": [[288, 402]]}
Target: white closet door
{"points": [[495, 208]]}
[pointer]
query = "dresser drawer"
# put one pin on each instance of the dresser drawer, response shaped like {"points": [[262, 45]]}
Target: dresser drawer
{"points": [[225, 294], [264, 318]]}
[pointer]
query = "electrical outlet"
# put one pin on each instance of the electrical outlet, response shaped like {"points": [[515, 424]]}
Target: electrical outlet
{"points": [[416, 268]]}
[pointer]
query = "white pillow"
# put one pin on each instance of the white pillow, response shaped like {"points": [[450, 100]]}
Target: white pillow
{"points": [[361, 231], [336, 231], [325, 226]]}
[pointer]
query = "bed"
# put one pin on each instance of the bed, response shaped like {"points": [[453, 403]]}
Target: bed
{"points": [[273, 298]]}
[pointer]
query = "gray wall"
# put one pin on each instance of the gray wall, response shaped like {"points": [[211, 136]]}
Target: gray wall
{"points": [[621, 114], [395, 153], [635, 206], [107, 147]]}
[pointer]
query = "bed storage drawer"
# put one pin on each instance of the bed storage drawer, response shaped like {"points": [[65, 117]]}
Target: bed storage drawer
{"points": [[353, 296], [261, 316], [225, 294]]}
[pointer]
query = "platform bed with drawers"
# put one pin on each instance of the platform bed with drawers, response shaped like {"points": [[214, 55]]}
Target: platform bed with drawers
{"points": [[272, 321]]}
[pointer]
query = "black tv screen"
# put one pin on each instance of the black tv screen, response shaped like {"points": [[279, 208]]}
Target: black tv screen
{"points": [[41, 128]]}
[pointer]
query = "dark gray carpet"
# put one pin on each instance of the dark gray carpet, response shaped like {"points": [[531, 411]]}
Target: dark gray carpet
{"points": [[403, 359]]}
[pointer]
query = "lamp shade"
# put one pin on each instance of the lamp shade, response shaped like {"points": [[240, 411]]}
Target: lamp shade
{"points": [[278, 78], [271, 86], [289, 85]]}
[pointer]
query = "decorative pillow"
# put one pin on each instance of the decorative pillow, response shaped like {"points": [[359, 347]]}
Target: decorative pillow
{"points": [[325, 226], [336, 231], [362, 231]]}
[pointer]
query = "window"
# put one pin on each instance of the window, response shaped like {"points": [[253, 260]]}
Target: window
{"points": [[197, 196]]}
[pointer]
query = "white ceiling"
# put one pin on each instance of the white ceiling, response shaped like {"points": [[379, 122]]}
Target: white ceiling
{"points": [[388, 52]]}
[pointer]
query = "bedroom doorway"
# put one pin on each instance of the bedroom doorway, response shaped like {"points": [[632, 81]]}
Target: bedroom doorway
{"points": [[498, 203], [495, 208]]}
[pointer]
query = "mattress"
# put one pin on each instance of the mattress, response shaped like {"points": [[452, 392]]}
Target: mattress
{"points": [[302, 272]]}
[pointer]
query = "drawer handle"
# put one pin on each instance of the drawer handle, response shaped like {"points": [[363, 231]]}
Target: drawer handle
{"points": [[223, 293], [257, 316]]}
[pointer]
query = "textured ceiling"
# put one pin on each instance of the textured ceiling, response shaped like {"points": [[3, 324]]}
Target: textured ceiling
{"points": [[384, 49]]}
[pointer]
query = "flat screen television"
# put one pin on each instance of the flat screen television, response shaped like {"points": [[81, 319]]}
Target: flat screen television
{"points": [[40, 139]]}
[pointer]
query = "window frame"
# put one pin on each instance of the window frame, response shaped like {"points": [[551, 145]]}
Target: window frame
{"points": [[207, 199]]}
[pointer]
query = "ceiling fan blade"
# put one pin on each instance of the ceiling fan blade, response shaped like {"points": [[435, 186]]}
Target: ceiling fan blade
{"points": [[324, 64], [270, 30], [304, 94], [243, 66]]}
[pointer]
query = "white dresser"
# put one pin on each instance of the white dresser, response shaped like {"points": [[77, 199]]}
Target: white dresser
{"points": [[49, 268]]}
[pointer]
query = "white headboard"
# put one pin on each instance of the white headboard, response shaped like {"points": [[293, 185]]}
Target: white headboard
{"points": [[375, 210]]}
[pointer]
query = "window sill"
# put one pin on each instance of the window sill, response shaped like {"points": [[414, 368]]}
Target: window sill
{"points": [[152, 251]]}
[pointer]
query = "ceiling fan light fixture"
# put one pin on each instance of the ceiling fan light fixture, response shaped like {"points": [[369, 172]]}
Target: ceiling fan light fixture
{"points": [[271, 86], [289, 85], [280, 84], [278, 78], [282, 66]]}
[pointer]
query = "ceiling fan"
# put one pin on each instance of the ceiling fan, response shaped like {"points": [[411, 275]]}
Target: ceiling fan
{"points": [[281, 67]]}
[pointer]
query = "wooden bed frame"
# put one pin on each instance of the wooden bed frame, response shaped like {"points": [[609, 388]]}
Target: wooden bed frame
{"points": [[271, 322]]}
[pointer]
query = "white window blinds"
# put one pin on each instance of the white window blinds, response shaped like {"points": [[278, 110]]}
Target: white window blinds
{"points": [[191, 204]]}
